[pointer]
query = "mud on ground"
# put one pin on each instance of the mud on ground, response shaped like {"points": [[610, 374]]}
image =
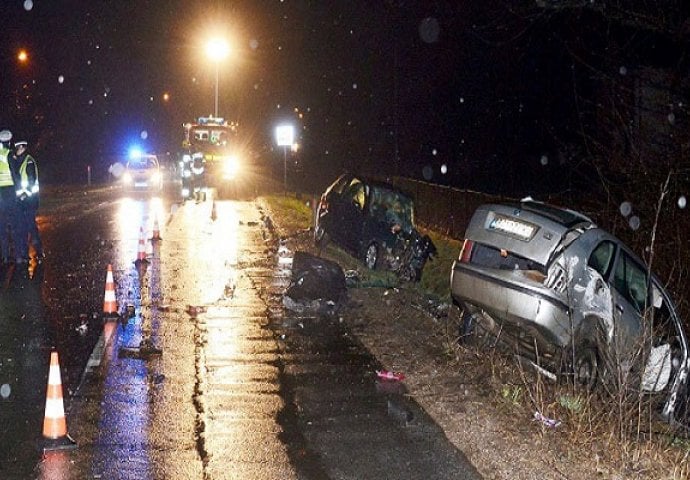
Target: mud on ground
{"points": [[468, 390]]}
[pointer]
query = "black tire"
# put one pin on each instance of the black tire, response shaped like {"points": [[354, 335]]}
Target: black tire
{"points": [[321, 238], [372, 256], [467, 330], [587, 366]]}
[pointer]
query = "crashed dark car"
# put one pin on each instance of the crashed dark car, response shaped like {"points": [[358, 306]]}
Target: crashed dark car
{"points": [[375, 222], [558, 289]]}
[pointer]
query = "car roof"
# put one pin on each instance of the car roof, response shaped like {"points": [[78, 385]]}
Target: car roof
{"points": [[374, 182]]}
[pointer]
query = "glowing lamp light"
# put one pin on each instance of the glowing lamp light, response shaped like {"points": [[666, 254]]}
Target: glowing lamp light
{"points": [[217, 49], [285, 135]]}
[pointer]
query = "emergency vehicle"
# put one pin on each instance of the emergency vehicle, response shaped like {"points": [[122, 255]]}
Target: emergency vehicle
{"points": [[215, 140]]}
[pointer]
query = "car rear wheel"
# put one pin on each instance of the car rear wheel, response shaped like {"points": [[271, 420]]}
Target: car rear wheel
{"points": [[371, 257]]}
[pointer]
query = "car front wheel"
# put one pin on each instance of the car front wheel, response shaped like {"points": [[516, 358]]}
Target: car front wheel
{"points": [[320, 236], [371, 258], [586, 367]]}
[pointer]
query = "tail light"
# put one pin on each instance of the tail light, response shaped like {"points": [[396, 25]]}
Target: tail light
{"points": [[466, 251]]}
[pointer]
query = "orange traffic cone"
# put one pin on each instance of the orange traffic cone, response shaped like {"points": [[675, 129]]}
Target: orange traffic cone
{"points": [[156, 236], [109, 301], [213, 211], [54, 423], [141, 254]]}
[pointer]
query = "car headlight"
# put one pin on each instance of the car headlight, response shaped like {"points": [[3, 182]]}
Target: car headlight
{"points": [[231, 167]]}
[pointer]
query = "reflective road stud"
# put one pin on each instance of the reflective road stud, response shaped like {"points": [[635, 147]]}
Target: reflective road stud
{"points": [[54, 423]]}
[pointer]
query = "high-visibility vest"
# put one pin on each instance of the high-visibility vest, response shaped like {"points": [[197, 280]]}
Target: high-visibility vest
{"points": [[5, 173], [24, 187]]}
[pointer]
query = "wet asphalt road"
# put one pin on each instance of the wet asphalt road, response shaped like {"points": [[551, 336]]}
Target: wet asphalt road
{"points": [[226, 384]]}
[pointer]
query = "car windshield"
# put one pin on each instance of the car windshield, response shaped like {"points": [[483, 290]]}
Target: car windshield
{"points": [[392, 206], [143, 164]]}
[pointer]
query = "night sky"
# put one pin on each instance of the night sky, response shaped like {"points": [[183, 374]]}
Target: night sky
{"points": [[467, 95]]}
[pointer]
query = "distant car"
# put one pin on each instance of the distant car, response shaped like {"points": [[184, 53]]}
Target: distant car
{"points": [[143, 173], [374, 221], [552, 285]]}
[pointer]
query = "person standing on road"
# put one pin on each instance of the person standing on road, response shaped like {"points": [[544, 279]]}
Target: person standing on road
{"points": [[25, 175], [7, 196]]}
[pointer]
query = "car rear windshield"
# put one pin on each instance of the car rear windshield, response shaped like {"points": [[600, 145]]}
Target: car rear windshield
{"points": [[491, 257]]}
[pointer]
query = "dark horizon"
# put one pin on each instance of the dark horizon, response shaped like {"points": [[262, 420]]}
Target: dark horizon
{"points": [[469, 96]]}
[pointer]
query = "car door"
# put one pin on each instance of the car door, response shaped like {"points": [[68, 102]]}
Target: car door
{"points": [[331, 210], [630, 298], [352, 214]]}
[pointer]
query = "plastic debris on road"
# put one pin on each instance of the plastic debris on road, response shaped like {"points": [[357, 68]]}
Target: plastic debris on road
{"points": [[386, 375], [549, 422]]}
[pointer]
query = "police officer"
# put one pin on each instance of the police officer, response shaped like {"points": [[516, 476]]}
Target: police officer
{"points": [[25, 175], [7, 196]]}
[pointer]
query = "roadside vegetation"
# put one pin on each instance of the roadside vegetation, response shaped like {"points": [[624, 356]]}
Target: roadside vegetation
{"points": [[614, 427]]}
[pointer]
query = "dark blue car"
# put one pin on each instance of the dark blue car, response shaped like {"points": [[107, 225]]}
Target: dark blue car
{"points": [[375, 222]]}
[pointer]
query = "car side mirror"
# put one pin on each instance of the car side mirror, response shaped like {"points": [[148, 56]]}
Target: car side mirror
{"points": [[599, 286]]}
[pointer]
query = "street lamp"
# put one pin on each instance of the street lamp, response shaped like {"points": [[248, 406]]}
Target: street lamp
{"points": [[285, 137], [217, 49]]}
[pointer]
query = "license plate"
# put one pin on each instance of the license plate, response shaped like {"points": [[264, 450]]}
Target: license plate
{"points": [[510, 226]]}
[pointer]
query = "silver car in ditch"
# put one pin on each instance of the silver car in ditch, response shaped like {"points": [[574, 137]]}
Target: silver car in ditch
{"points": [[550, 283]]}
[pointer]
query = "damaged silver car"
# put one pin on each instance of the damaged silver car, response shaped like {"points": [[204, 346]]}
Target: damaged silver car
{"points": [[554, 286], [374, 221]]}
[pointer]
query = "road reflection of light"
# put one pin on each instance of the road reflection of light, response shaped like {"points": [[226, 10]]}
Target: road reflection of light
{"points": [[124, 422], [135, 215], [214, 244], [156, 214], [54, 465]]}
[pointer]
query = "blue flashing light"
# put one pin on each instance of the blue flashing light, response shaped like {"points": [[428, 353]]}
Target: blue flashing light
{"points": [[135, 152]]}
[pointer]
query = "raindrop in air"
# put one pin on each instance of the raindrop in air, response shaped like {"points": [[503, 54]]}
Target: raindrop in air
{"points": [[434, 152], [28, 5], [116, 169], [623, 71], [544, 160], [5, 390], [626, 208], [354, 86], [144, 134], [671, 118], [253, 44], [634, 222], [61, 79], [427, 173], [682, 202], [429, 30], [444, 169]]}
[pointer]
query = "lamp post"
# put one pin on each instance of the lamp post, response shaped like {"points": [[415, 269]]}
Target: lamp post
{"points": [[217, 49], [285, 137]]}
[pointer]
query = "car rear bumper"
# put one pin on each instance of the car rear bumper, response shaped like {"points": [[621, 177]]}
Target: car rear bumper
{"points": [[516, 307]]}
